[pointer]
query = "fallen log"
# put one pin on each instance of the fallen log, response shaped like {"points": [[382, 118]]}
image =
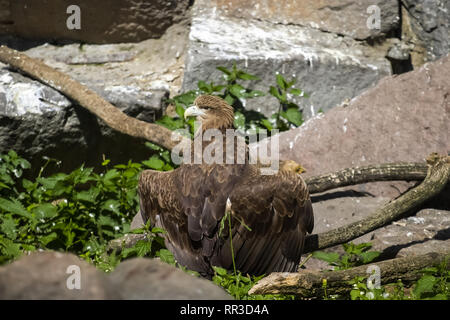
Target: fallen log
{"points": [[309, 284]]}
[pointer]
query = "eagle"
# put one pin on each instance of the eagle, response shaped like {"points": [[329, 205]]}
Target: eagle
{"points": [[200, 206]]}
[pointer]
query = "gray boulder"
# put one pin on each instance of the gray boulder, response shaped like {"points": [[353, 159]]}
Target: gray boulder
{"points": [[403, 118], [329, 67], [426, 231], [50, 275], [430, 23], [38, 121], [126, 20], [47, 275], [150, 279], [340, 17]]}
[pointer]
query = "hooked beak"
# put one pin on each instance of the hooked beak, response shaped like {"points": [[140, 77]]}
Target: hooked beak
{"points": [[193, 111]]}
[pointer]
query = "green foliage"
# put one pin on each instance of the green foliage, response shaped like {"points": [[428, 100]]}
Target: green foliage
{"points": [[238, 285], [77, 212], [236, 93], [354, 255], [289, 113], [434, 284]]}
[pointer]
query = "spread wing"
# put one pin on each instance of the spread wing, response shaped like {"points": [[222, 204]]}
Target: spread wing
{"points": [[190, 202], [272, 215]]}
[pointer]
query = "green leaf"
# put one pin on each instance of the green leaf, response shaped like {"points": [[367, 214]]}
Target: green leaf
{"points": [[281, 82], [88, 195], [246, 76], [229, 99], [153, 146], [220, 271], [224, 70], [266, 123], [154, 163], [330, 257], [45, 240], [45, 211], [179, 110], [166, 256], [238, 91], [274, 92], [158, 230], [111, 174], [369, 256], [15, 207], [296, 92], [106, 221], [425, 285], [294, 116], [255, 93], [8, 227], [239, 120], [111, 205], [9, 248], [142, 247]]}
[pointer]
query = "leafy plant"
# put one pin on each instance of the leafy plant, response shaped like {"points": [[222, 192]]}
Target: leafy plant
{"points": [[288, 113], [236, 94], [434, 284], [354, 255], [238, 285]]}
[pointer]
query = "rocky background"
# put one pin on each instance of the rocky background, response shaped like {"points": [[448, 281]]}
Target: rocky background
{"points": [[385, 94]]}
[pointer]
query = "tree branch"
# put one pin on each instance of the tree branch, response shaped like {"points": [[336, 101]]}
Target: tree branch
{"points": [[309, 284], [357, 175], [89, 100], [436, 179]]}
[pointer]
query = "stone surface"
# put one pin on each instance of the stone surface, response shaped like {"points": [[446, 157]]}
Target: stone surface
{"points": [[425, 231], [330, 68], [403, 118], [37, 121], [152, 279], [336, 16], [100, 21], [430, 23], [44, 275]]}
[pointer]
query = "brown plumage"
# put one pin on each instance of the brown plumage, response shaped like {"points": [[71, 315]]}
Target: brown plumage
{"points": [[191, 201]]}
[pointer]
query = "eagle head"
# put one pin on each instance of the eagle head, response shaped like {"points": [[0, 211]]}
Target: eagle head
{"points": [[212, 111]]}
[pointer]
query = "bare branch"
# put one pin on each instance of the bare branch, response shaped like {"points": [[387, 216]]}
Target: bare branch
{"points": [[382, 172], [88, 99], [436, 179]]}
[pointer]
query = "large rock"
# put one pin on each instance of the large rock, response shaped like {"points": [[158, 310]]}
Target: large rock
{"points": [[403, 118], [429, 24], [38, 121], [426, 231], [136, 77], [329, 67], [50, 275], [123, 21], [140, 279], [53, 275], [336, 16]]}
